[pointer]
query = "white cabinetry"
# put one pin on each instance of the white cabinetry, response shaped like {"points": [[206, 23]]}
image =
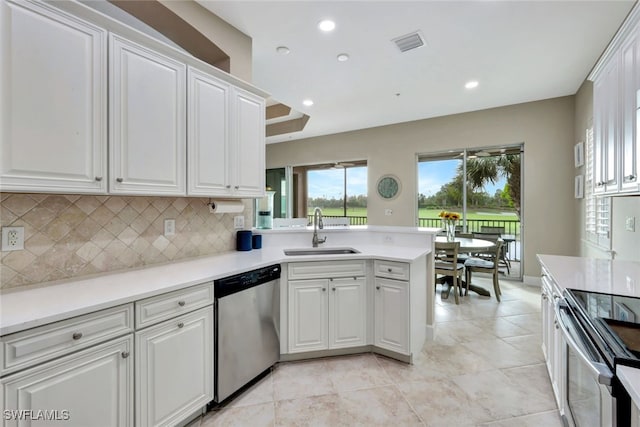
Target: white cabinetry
{"points": [[174, 368], [392, 322], [635, 415], [226, 137], [326, 312], [83, 366], [174, 355], [147, 120], [53, 87], [616, 82], [552, 342]]}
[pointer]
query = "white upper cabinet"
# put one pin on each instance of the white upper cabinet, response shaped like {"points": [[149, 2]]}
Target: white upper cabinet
{"points": [[147, 121], [53, 88], [248, 148], [616, 82], [208, 135]]}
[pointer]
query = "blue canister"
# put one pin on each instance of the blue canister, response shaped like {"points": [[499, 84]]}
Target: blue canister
{"points": [[257, 241], [243, 240]]}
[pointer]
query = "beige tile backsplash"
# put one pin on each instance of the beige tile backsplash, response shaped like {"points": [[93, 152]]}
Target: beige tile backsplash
{"points": [[70, 235]]}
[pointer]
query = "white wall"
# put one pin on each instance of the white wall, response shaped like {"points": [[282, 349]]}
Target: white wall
{"points": [[546, 128]]}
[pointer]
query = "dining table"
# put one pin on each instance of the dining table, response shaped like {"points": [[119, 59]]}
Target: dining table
{"points": [[469, 245]]}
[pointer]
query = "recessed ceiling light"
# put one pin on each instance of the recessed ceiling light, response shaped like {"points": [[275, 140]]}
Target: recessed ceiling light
{"points": [[471, 84], [343, 57], [282, 50], [327, 25], [307, 102]]}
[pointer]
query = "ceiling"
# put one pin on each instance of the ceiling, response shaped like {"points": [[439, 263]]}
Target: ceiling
{"points": [[518, 51]]}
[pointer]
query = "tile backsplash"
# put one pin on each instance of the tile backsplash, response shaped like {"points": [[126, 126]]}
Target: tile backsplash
{"points": [[71, 235]]}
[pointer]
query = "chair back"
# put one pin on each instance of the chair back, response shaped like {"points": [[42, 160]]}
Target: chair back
{"points": [[495, 253], [447, 251], [493, 237], [494, 230]]}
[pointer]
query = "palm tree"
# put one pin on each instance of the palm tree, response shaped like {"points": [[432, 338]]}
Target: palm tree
{"points": [[488, 169]]}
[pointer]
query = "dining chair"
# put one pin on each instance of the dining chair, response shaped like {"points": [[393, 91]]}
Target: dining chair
{"points": [[447, 265], [482, 265], [494, 230], [494, 237]]}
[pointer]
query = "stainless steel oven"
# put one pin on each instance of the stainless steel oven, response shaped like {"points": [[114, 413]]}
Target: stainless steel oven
{"points": [[588, 389]]}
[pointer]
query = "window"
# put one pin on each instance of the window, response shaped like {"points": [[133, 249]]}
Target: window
{"points": [[597, 209]]}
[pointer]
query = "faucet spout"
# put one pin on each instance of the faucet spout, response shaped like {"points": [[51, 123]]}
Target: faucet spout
{"points": [[317, 223]]}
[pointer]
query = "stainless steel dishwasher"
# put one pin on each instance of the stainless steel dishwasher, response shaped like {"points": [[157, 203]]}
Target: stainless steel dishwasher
{"points": [[246, 329]]}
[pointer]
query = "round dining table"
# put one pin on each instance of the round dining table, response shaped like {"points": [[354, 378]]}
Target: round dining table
{"points": [[470, 245]]}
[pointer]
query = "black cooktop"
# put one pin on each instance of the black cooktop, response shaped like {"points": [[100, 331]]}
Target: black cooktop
{"points": [[612, 321]]}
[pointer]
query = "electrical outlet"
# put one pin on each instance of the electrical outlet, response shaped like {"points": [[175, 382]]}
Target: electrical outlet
{"points": [[238, 222], [169, 227], [388, 212], [12, 238]]}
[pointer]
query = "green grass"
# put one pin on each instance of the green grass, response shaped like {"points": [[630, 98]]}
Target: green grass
{"points": [[428, 213]]}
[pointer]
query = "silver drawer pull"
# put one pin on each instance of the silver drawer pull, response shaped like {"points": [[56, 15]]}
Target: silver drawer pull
{"points": [[181, 303], [77, 335], [180, 325], [630, 178], [378, 287], [119, 179], [98, 178], [125, 354], [324, 289], [333, 289], [237, 187]]}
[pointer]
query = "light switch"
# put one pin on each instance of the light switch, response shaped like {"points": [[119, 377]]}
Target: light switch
{"points": [[630, 223], [169, 227], [388, 212]]}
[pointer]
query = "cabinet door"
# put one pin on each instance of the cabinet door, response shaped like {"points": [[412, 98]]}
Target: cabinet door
{"points": [[606, 123], [630, 115], [147, 121], [347, 312], [392, 315], [52, 101], [93, 387], [208, 135], [248, 144], [174, 368], [308, 311]]}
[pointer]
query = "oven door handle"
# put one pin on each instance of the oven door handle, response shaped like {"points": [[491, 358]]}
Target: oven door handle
{"points": [[600, 370]]}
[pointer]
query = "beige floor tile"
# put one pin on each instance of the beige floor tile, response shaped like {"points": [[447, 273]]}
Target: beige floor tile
{"points": [[260, 392], [452, 360], [422, 369], [463, 331], [500, 327], [529, 343], [531, 322], [356, 372], [380, 406], [301, 379], [542, 419], [441, 403], [500, 354], [262, 415], [310, 411]]}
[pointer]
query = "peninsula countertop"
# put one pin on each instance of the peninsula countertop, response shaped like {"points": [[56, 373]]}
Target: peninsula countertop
{"points": [[41, 304]]}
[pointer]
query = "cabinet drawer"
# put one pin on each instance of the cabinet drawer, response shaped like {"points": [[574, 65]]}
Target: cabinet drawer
{"points": [[27, 348], [326, 269], [391, 269], [156, 309]]}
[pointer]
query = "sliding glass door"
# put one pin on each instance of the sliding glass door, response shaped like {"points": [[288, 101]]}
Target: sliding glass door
{"points": [[484, 186]]}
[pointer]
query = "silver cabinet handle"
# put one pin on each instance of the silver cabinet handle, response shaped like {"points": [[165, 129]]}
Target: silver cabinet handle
{"points": [[378, 287], [334, 289], [630, 177], [227, 186], [77, 335], [98, 178], [181, 303], [236, 187], [125, 354], [331, 280], [556, 324], [324, 289], [119, 179], [389, 270], [180, 325]]}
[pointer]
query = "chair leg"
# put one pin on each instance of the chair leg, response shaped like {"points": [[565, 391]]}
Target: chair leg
{"points": [[455, 289], [496, 286]]}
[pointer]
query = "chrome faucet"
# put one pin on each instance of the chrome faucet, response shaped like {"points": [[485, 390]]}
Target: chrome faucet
{"points": [[317, 223]]}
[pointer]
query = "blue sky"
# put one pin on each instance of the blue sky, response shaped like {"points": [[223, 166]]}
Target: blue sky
{"points": [[431, 176]]}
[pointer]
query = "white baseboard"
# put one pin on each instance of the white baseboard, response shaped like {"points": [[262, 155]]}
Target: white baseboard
{"points": [[532, 281]]}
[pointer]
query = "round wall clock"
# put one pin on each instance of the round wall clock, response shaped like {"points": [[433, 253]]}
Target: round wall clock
{"points": [[388, 187]]}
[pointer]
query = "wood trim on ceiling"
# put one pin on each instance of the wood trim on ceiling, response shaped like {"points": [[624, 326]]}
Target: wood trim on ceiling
{"points": [[289, 126], [172, 26]]}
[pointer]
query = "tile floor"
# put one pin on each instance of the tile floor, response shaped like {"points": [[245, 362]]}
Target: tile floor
{"points": [[485, 368]]}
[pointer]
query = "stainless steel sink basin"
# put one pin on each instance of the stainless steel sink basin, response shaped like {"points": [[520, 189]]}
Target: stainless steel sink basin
{"points": [[320, 251]]}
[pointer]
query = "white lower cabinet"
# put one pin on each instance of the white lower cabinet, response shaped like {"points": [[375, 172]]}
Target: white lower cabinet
{"points": [[327, 313], [552, 342], [93, 387], [635, 415], [391, 314], [174, 368]]}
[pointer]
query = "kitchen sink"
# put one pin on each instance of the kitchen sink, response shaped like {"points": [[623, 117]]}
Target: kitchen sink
{"points": [[320, 251]]}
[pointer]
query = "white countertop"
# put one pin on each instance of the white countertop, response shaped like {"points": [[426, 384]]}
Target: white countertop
{"points": [[28, 308], [630, 379], [596, 275]]}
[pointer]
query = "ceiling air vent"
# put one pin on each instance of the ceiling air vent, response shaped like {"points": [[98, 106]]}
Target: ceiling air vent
{"points": [[409, 41]]}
